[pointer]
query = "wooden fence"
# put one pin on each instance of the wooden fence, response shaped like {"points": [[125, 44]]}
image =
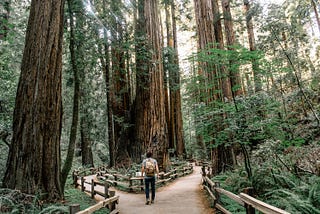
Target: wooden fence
{"points": [[108, 179], [110, 198], [130, 183], [110, 203], [244, 199]]}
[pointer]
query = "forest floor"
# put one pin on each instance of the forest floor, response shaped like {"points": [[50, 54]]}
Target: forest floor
{"points": [[184, 195]]}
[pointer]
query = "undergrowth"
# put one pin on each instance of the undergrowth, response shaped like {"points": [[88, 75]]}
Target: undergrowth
{"points": [[15, 202], [275, 181]]}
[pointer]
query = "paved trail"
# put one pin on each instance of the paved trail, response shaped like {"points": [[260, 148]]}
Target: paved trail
{"points": [[182, 196]]}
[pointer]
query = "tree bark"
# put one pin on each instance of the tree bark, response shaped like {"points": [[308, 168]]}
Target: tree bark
{"points": [[76, 96], [230, 41], [177, 113], [150, 124], [33, 164], [252, 45]]}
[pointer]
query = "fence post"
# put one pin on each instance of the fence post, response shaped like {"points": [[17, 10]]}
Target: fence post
{"points": [[216, 193], [112, 205], [203, 168], [92, 188], [116, 180], [106, 190], [249, 208], [75, 178], [82, 184], [74, 208]]}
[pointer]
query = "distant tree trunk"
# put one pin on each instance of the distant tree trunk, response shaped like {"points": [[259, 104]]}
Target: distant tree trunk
{"points": [[168, 64], [86, 141], [225, 80], [105, 60], [252, 45], [206, 70], [4, 21], [76, 96], [230, 41], [120, 85], [176, 98], [34, 159], [150, 125], [171, 66]]}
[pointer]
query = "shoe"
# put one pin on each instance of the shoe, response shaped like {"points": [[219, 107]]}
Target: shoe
{"points": [[152, 201], [147, 202]]}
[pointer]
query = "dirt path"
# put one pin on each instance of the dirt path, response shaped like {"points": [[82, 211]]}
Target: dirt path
{"points": [[184, 195]]}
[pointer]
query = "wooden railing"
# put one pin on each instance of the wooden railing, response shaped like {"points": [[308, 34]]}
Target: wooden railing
{"points": [[110, 203], [129, 183], [244, 199], [110, 198]]}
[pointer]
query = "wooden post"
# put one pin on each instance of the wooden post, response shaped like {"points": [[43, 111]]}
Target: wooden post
{"points": [[112, 206], [82, 184], [249, 208], [217, 194], [203, 168], [92, 188], [116, 179], [106, 190], [74, 208], [75, 179]]}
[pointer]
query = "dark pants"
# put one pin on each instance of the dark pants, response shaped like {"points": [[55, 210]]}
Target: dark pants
{"points": [[147, 182]]}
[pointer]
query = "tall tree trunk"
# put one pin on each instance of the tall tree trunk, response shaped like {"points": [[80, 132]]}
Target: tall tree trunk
{"points": [[76, 96], [252, 45], [86, 141], [33, 164], [225, 80], [150, 124], [168, 64], [120, 85], [105, 60], [177, 113], [230, 41]]}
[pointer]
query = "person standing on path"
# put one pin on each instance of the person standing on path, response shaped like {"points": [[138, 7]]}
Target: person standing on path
{"points": [[150, 170]]}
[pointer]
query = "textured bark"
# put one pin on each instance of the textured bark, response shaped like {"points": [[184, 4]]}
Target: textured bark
{"points": [[120, 87], [150, 124], [175, 91], [206, 39], [230, 41], [76, 97], [106, 65], [86, 141], [34, 159], [252, 46], [225, 80]]}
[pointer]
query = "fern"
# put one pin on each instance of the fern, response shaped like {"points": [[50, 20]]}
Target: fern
{"points": [[55, 209]]}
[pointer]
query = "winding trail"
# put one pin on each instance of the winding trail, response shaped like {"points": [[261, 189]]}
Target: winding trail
{"points": [[184, 195]]}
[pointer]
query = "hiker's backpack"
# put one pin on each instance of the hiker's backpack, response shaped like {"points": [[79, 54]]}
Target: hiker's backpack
{"points": [[150, 167]]}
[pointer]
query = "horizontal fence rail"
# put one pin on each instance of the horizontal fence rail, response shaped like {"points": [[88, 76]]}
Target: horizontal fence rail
{"points": [[129, 183], [244, 199]]}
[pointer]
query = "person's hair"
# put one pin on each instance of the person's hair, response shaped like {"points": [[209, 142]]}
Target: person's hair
{"points": [[149, 154]]}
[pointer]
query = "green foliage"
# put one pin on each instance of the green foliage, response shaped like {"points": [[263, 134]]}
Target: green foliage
{"points": [[275, 181]]}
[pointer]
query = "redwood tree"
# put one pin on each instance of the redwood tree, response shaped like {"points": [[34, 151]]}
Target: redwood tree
{"points": [[33, 164], [150, 123]]}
